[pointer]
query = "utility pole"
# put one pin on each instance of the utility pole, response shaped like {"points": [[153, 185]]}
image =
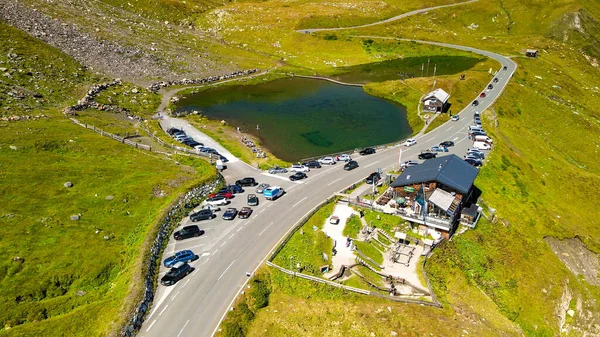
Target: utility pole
{"points": [[434, 70], [427, 74]]}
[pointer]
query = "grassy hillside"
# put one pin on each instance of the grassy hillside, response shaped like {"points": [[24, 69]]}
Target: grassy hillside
{"points": [[63, 277]]}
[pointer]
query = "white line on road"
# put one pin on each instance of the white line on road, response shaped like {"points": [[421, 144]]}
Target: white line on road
{"points": [[296, 204], [150, 327], [262, 210], [226, 269], [455, 138], [333, 182], [186, 282], [239, 229], [231, 236], [196, 246], [215, 253], [428, 140], [223, 244], [165, 308], [269, 205], [177, 293], [186, 323], [265, 229], [372, 164], [205, 254]]}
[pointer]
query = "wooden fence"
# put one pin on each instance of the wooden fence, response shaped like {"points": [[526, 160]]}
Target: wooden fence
{"points": [[113, 136]]}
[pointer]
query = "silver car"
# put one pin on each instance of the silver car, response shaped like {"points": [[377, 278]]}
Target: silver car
{"points": [[261, 187]]}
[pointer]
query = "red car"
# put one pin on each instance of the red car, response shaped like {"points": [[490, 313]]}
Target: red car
{"points": [[227, 195], [482, 95]]}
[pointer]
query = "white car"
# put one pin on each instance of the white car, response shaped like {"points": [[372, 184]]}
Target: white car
{"points": [[409, 163], [410, 142], [213, 208], [216, 201], [482, 146], [327, 161], [344, 157], [455, 118], [299, 168], [334, 220]]}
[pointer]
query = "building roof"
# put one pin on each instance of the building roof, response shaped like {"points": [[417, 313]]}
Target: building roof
{"points": [[471, 210], [448, 170], [532, 51], [441, 199], [438, 94]]}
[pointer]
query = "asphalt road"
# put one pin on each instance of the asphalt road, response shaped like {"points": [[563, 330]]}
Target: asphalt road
{"points": [[230, 249]]}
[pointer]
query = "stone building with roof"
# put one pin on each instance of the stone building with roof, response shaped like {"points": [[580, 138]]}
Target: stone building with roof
{"points": [[434, 193], [436, 101]]}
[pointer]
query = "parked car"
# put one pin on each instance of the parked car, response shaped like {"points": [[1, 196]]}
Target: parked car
{"points": [[410, 142], [235, 189], [473, 149], [207, 150], [277, 169], [447, 143], [474, 162], [327, 161], [482, 145], [475, 103], [197, 147], [203, 214], [261, 187], [505, 68], [298, 176], [478, 122], [477, 133], [212, 208], [245, 213], [230, 213], [312, 164], [476, 154], [482, 95], [373, 178], [455, 118], [476, 114], [246, 182], [351, 165], [439, 149], [299, 168], [185, 256], [475, 128], [334, 220], [409, 163], [427, 155], [188, 232], [179, 271], [273, 192], [490, 87], [226, 194], [367, 151], [496, 80], [484, 138], [172, 131], [344, 157], [217, 201], [252, 200], [473, 157]]}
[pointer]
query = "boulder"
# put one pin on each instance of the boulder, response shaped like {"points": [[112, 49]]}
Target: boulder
{"points": [[109, 197], [68, 184], [75, 217]]}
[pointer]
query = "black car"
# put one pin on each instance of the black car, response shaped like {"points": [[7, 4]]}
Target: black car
{"points": [[447, 143], [478, 133], [252, 200], [298, 176], [505, 68], [312, 164], [234, 189], [188, 232], [203, 214], [490, 86], [427, 155], [475, 103], [245, 213], [192, 143], [246, 182], [373, 178], [230, 213], [479, 155], [473, 162], [496, 80], [351, 165], [179, 271], [173, 131], [366, 151]]}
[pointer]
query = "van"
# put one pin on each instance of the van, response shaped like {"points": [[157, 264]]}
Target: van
{"points": [[482, 146], [482, 138], [475, 128], [219, 165]]}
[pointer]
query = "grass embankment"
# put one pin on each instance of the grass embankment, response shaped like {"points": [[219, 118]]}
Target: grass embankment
{"points": [[307, 245], [369, 250], [352, 227], [119, 193]]}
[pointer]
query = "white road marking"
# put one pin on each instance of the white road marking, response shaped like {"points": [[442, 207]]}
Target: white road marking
{"points": [[196, 246], [186, 282], [177, 293], [428, 140], [205, 254], [150, 327], [269, 205], [275, 176], [265, 229], [161, 312], [296, 204], [372, 164], [455, 138], [461, 140], [333, 182], [239, 229], [226, 269], [223, 244], [186, 323], [215, 253], [262, 210], [231, 236]]}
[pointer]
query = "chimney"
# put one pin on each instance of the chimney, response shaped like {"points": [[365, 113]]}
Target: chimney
{"points": [[408, 177]]}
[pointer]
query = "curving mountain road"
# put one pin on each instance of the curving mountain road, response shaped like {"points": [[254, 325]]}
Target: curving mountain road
{"points": [[230, 249]]}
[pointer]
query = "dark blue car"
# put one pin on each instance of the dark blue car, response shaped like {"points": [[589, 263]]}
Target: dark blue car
{"points": [[180, 256]]}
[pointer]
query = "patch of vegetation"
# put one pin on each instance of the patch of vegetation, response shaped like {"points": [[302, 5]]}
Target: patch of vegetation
{"points": [[137, 100], [369, 250], [308, 244], [119, 194], [352, 227]]}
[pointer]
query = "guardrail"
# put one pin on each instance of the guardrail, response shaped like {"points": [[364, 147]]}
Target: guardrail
{"points": [[113, 136]]}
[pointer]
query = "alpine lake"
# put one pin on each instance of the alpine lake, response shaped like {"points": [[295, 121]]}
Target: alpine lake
{"points": [[297, 118]]}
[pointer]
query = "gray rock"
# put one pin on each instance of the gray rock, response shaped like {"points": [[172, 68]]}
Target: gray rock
{"points": [[109, 197], [80, 293], [106, 237], [68, 184], [75, 217]]}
